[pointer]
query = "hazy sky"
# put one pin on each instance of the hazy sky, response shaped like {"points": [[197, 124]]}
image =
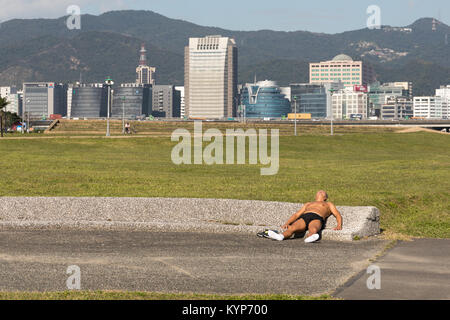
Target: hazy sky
{"points": [[328, 16]]}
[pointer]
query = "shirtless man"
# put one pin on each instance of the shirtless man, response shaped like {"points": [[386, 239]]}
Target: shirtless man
{"points": [[310, 217]]}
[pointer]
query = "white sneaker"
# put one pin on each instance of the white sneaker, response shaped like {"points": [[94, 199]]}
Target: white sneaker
{"points": [[275, 235], [312, 238]]}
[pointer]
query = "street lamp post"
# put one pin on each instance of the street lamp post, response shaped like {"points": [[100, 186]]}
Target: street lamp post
{"points": [[109, 83], [332, 115], [295, 115], [28, 116], [123, 115], [107, 115], [242, 111]]}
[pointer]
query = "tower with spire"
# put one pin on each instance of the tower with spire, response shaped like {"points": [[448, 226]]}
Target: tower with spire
{"points": [[144, 73]]}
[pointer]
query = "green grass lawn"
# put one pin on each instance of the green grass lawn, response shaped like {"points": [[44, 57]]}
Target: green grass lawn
{"points": [[407, 176]]}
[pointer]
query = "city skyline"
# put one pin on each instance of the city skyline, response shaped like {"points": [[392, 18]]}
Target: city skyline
{"points": [[204, 57], [288, 15]]}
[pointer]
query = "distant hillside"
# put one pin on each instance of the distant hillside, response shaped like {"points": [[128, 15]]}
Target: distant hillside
{"points": [[93, 54], [44, 49]]}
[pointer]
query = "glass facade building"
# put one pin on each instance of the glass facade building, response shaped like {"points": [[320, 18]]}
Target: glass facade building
{"points": [[311, 98], [314, 99], [89, 101], [264, 100], [131, 101]]}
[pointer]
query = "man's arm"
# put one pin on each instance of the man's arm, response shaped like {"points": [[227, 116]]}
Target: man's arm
{"points": [[338, 216], [295, 216]]}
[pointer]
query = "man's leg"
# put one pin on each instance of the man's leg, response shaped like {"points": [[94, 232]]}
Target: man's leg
{"points": [[313, 231], [297, 226]]}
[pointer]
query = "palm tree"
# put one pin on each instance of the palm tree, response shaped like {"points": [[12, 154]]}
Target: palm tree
{"points": [[3, 104]]}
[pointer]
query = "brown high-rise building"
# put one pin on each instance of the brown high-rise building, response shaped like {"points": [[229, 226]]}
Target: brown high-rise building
{"points": [[210, 77]]}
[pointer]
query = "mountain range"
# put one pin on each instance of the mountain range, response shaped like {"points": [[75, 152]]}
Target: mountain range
{"points": [[108, 45]]}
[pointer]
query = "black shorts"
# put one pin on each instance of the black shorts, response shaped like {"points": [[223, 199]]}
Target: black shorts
{"points": [[310, 216]]}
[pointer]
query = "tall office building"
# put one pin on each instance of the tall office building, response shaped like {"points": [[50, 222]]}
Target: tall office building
{"points": [[166, 101], [144, 73], [341, 68], [210, 77], [42, 99]]}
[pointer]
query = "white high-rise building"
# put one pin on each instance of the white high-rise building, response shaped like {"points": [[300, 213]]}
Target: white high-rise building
{"points": [[430, 107], [444, 93], [210, 77], [14, 97]]}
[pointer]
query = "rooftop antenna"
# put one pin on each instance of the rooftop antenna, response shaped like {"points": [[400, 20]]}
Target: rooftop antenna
{"points": [[143, 55], [255, 79]]}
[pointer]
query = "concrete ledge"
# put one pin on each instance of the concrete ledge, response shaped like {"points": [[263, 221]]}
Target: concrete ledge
{"points": [[172, 214]]}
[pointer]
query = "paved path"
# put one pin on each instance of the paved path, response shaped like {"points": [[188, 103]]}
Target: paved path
{"points": [[37, 260], [419, 269]]}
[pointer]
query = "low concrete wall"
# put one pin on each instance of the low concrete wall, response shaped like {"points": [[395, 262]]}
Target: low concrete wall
{"points": [[172, 214]]}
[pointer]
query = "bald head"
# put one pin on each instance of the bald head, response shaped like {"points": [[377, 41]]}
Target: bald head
{"points": [[321, 195]]}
